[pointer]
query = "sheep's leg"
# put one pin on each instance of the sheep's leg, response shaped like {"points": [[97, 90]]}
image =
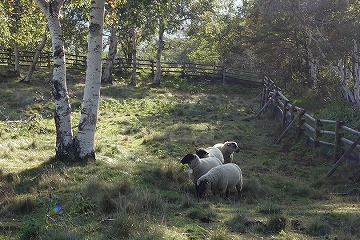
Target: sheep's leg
{"points": [[213, 190], [197, 190], [227, 191], [238, 188]]}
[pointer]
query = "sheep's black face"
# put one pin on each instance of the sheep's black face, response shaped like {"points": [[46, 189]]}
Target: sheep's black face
{"points": [[187, 159], [234, 146], [202, 153], [201, 188]]}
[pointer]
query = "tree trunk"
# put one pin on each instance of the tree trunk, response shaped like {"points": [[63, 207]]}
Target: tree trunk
{"points": [[343, 71], [84, 140], [35, 59], [356, 73], [133, 72], [159, 53], [62, 112], [17, 59], [15, 30], [312, 63], [107, 72]]}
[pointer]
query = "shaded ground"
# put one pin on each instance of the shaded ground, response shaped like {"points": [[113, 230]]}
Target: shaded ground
{"points": [[137, 188]]}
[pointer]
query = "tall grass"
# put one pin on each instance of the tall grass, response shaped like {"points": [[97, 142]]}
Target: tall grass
{"points": [[138, 189]]}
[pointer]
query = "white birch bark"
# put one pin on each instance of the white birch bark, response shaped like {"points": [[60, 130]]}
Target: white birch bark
{"points": [[85, 137], [159, 53], [62, 110], [356, 73], [313, 64], [133, 72], [342, 70], [109, 65], [35, 59]]}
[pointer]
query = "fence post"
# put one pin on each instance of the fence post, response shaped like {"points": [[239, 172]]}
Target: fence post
{"points": [[299, 128], [337, 143], [49, 59], [317, 133], [274, 101], [183, 72], [9, 56], [266, 95], [120, 65], [284, 113], [152, 67]]}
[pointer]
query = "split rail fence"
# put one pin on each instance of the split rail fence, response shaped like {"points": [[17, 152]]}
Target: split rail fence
{"points": [[319, 132], [184, 69]]}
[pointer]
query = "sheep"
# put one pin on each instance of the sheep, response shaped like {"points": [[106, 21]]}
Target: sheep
{"points": [[220, 179], [199, 167], [210, 152], [228, 148]]}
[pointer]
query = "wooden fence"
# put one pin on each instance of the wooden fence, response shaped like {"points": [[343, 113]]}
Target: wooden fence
{"points": [[319, 132], [185, 69]]}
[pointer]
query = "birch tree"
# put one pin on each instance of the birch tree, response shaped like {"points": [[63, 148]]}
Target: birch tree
{"points": [[35, 59], [112, 18], [159, 53], [109, 65], [82, 145], [344, 72], [21, 24], [85, 138], [356, 73]]}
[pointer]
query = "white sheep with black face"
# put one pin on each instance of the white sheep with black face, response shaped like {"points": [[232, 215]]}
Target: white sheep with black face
{"points": [[228, 148], [220, 179], [199, 167], [210, 152]]}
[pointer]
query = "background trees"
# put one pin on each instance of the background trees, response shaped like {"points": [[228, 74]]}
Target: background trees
{"points": [[306, 44]]}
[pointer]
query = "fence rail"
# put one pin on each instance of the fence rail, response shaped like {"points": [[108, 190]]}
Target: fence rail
{"points": [[185, 69], [331, 133]]}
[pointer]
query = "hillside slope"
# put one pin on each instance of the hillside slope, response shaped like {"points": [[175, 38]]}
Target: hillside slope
{"points": [[137, 188]]}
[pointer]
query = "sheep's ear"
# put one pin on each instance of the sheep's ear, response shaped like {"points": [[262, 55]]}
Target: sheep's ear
{"points": [[187, 159]]}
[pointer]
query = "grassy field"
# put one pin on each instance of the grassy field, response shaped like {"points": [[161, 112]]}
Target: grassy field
{"points": [[137, 188]]}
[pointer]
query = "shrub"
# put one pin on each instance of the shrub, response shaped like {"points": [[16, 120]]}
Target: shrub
{"points": [[276, 224]]}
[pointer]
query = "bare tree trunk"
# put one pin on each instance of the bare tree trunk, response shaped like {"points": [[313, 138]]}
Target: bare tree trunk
{"points": [[312, 63], [62, 112], [158, 54], [133, 72], [15, 30], [35, 59], [85, 138], [17, 59], [356, 73], [107, 72], [341, 68]]}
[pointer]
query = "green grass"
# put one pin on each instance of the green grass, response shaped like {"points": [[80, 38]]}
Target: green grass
{"points": [[137, 188]]}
